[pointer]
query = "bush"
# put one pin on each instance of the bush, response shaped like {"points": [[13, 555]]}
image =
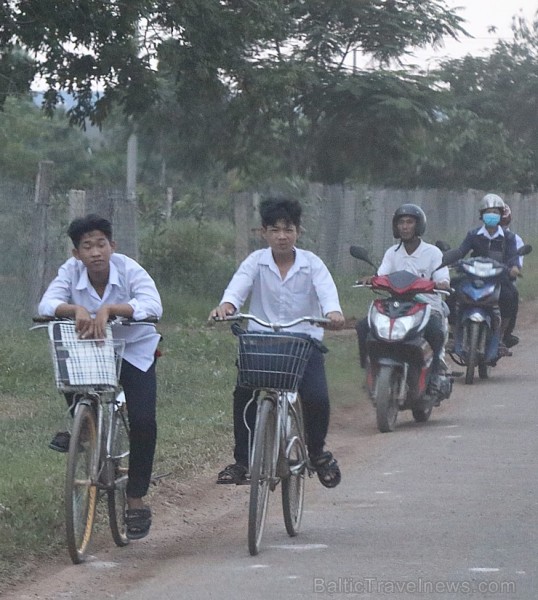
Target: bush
{"points": [[191, 256]]}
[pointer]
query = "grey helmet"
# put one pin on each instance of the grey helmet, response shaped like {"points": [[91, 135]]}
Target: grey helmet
{"points": [[409, 210], [491, 201]]}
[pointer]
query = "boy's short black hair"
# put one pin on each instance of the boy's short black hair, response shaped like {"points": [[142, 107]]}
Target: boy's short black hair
{"points": [[82, 225], [276, 209]]}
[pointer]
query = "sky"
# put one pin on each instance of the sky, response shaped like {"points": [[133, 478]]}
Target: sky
{"points": [[479, 16]]}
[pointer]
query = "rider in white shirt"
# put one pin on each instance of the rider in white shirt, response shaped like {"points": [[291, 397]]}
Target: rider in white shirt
{"points": [[284, 283], [412, 254]]}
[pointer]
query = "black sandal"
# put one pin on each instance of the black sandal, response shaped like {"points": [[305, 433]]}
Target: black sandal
{"points": [[138, 522], [327, 469], [234, 473]]}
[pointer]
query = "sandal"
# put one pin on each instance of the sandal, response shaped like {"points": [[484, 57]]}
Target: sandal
{"points": [[234, 473], [138, 522], [327, 469]]}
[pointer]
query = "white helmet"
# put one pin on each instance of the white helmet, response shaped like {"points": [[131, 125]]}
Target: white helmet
{"points": [[491, 201]]}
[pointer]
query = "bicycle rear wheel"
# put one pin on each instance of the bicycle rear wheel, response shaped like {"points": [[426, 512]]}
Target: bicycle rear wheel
{"points": [[118, 466], [294, 483], [261, 474], [80, 490]]}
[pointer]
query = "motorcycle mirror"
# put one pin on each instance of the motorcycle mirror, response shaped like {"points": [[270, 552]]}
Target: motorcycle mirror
{"points": [[361, 253], [524, 250], [442, 245], [449, 257]]}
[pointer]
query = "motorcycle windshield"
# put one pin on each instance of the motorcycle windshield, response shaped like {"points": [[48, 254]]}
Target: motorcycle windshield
{"points": [[402, 282], [482, 268]]}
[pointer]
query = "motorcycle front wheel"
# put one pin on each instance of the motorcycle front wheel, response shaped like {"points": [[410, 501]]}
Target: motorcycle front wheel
{"points": [[472, 353], [387, 398]]}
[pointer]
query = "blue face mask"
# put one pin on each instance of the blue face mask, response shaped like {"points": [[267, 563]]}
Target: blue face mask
{"points": [[491, 219]]}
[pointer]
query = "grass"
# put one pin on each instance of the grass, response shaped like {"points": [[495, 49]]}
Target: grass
{"points": [[196, 376]]}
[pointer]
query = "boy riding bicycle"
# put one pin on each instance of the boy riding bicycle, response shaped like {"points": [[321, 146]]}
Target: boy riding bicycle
{"points": [[91, 287], [285, 282]]}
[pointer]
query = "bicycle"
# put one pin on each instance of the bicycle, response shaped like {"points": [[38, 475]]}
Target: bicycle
{"points": [[272, 365], [97, 462]]}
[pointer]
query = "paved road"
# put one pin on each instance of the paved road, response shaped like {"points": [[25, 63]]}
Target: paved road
{"points": [[446, 509], [438, 510]]}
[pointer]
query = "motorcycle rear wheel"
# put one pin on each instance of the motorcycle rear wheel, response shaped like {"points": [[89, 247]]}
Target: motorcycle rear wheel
{"points": [[386, 399]]}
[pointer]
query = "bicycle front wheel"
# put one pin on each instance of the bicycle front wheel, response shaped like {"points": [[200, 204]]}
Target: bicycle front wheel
{"points": [[294, 483], [80, 490], [261, 474], [118, 466]]}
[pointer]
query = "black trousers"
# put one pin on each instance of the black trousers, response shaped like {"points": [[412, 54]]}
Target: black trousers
{"points": [[315, 398], [141, 396], [509, 304]]}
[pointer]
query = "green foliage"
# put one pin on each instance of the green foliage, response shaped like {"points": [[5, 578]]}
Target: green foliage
{"points": [[487, 133], [191, 256]]}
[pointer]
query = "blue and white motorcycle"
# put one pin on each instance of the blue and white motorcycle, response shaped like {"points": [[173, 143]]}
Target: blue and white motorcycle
{"points": [[476, 324]]}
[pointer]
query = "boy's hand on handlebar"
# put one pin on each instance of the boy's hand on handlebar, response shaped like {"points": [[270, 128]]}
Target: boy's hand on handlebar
{"points": [[222, 311], [514, 272], [337, 321]]}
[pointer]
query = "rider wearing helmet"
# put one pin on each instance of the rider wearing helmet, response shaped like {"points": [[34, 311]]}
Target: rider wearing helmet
{"points": [[416, 256], [490, 240]]}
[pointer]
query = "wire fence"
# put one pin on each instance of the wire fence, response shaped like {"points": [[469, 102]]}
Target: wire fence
{"points": [[34, 221]]}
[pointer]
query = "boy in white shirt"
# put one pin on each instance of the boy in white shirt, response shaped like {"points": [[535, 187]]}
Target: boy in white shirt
{"points": [[285, 282], [92, 286]]}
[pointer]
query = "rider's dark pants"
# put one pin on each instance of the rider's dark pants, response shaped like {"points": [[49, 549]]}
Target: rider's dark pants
{"points": [[433, 333], [509, 304], [315, 398], [141, 396]]}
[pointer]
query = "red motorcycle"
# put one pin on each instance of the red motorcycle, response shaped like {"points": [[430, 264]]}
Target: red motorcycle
{"points": [[399, 357]]}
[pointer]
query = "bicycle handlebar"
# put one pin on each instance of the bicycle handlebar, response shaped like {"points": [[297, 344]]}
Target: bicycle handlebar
{"points": [[273, 326], [42, 321]]}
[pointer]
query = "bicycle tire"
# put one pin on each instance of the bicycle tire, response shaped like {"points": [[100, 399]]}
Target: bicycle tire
{"points": [[117, 466], [261, 474], [80, 491], [293, 485]]}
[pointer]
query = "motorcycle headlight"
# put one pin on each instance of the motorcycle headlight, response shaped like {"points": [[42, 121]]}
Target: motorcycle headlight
{"points": [[394, 330]]}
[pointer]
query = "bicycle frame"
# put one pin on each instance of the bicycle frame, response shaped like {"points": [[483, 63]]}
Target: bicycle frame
{"points": [[99, 445], [277, 453], [284, 403]]}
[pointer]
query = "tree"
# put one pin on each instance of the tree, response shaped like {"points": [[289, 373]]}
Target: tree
{"points": [[487, 135], [79, 44]]}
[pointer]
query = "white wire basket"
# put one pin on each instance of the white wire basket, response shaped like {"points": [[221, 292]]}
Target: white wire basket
{"points": [[84, 364], [272, 360]]}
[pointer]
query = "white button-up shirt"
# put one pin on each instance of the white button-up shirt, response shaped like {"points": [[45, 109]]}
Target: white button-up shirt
{"points": [[128, 283], [307, 290], [422, 262]]}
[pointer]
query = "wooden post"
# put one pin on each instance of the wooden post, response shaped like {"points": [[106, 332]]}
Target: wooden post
{"points": [[169, 203], [76, 209], [40, 248], [241, 220]]}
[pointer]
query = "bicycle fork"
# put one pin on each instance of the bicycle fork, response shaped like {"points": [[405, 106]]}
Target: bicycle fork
{"points": [[273, 475]]}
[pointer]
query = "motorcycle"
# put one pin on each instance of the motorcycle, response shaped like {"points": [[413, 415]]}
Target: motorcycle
{"points": [[399, 358], [476, 325]]}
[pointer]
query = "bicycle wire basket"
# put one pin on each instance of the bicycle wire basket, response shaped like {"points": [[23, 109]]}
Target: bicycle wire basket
{"points": [[94, 364], [272, 360]]}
